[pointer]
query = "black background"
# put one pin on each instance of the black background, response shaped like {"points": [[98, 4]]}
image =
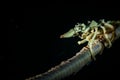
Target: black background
{"points": [[35, 46]]}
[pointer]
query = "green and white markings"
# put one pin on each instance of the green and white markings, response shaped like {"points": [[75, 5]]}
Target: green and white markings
{"points": [[73, 32], [68, 34]]}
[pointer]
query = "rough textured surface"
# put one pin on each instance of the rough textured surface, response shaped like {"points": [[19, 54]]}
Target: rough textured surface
{"points": [[72, 65]]}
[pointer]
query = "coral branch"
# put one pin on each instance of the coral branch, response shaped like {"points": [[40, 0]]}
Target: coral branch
{"points": [[74, 64]]}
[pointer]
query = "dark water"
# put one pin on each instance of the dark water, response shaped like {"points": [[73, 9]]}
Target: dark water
{"points": [[35, 46]]}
